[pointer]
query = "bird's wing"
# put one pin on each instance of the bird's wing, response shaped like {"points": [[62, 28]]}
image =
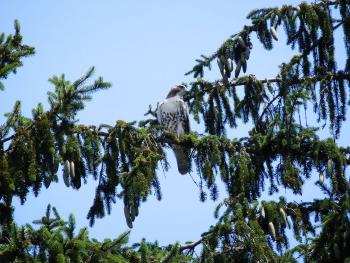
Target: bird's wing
{"points": [[184, 118], [173, 115], [182, 153], [159, 112]]}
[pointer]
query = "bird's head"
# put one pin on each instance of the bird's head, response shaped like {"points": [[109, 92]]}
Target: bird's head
{"points": [[178, 90]]}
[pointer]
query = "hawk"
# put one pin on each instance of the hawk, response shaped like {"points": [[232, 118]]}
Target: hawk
{"points": [[172, 114]]}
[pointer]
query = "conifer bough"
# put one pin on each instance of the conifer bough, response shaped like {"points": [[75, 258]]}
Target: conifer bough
{"points": [[281, 151]]}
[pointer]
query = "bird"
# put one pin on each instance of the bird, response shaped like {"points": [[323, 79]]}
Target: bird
{"points": [[172, 114]]}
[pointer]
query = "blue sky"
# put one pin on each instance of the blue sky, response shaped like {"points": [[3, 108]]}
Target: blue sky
{"points": [[143, 48]]}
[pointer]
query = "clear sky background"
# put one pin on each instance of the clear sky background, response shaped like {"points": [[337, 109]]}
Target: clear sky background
{"points": [[143, 48]]}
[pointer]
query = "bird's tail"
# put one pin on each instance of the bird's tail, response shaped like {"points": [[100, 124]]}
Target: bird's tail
{"points": [[182, 155]]}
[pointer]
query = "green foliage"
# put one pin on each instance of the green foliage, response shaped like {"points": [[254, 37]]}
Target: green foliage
{"points": [[38, 145], [280, 152], [308, 26], [11, 52], [55, 241], [130, 160]]}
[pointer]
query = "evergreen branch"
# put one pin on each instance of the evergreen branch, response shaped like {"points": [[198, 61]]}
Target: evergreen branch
{"points": [[127, 156], [346, 152], [307, 51], [329, 3], [192, 245], [12, 50], [99, 84], [65, 101], [193, 140], [268, 106], [245, 80], [11, 119], [84, 78], [234, 83], [151, 112], [247, 30], [26, 129]]}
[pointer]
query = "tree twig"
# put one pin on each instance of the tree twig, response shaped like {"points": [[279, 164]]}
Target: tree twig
{"points": [[207, 86], [191, 246]]}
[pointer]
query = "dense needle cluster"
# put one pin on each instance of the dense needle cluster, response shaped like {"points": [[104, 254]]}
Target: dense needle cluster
{"points": [[281, 151]]}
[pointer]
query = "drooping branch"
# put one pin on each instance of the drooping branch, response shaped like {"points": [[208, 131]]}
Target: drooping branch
{"points": [[207, 86], [269, 14]]}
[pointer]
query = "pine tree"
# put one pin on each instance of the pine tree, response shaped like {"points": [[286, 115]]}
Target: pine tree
{"points": [[282, 151]]}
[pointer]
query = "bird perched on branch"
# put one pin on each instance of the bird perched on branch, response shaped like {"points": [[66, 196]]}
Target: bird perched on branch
{"points": [[172, 114]]}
